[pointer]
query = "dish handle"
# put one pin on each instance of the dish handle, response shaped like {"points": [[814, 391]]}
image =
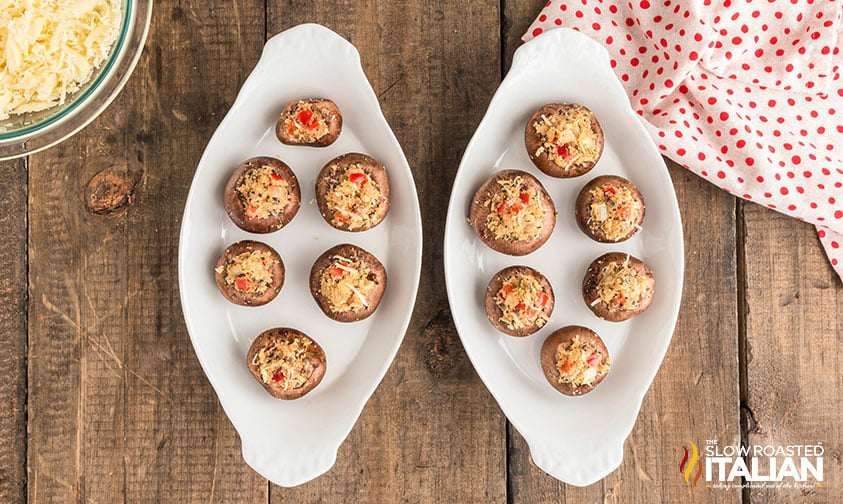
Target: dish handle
{"points": [[289, 465], [578, 463]]}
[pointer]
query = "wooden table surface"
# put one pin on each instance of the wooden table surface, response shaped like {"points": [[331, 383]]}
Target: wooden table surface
{"points": [[106, 401]]}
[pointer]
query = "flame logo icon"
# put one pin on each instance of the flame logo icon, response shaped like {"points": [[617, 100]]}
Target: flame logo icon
{"points": [[686, 467]]}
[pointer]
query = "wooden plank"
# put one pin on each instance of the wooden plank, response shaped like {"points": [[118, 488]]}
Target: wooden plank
{"points": [[794, 331], [119, 407], [13, 297], [431, 432]]}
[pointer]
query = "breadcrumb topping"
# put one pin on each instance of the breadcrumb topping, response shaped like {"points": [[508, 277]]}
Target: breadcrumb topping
{"points": [[614, 210], [516, 212], [354, 199], [522, 302], [346, 284], [580, 364], [286, 365], [621, 287], [264, 193], [249, 271], [305, 122]]}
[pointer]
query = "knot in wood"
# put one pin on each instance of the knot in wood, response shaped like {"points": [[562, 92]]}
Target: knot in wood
{"points": [[110, 192]]}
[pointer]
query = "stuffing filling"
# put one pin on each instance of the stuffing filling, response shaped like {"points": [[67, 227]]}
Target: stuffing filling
{"points": [[249, 271], [516, 212], [568, 138], [264, 193], [522, 302], [346, 284], [614, 210], [621, 287], [580, 364], [354, 199], [305, 123], [286, 365]]}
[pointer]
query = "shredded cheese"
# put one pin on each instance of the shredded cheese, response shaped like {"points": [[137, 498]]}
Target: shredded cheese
{"points": [[345, 284], [286, 364], [354, 198], [522, 302], [50, 48], [580, 364], [516, 212], [621, 287], [614, 210]]}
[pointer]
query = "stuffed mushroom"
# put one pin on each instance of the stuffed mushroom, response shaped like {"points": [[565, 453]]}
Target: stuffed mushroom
{"points": [[249, 273], [315, 123], [512, 213], [519, 301], [262, 195], [352, 192], [610, 209], [574, 360], [564, 140], [618, 286], [286, 362], [347, 283]]}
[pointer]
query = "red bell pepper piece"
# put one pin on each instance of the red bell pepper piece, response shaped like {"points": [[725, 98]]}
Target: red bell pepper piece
{"points": [[358, 178], [243, 284], [304, 116], [562, 151], [543, 299]]}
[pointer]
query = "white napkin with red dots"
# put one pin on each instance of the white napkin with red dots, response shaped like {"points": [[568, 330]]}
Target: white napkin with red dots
{"points": [[746, 94]]}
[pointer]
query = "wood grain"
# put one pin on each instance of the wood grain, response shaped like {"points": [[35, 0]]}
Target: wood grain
{"points": [[106, 401], [431, 432], [13, 338], [794, 334], [120, 409]]}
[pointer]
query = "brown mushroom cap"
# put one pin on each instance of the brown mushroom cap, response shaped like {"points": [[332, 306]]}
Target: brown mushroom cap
{"points": [[246, 298], [283, 335], [494, 312], [565, 336], [377, 273], [327, 108], [236, 208], [336, 167], [592, 279], [582, 208], [479, 212], [533, 141]]}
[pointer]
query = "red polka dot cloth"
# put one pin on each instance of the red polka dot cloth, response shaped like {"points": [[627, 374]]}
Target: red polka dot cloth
{"points": [[746, 94]]}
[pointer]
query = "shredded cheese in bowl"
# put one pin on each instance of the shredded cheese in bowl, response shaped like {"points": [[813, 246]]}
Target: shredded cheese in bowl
{"points": [[50, 48]]}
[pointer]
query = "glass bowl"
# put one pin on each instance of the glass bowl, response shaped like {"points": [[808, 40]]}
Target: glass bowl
{"points": [[23, 134]]}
